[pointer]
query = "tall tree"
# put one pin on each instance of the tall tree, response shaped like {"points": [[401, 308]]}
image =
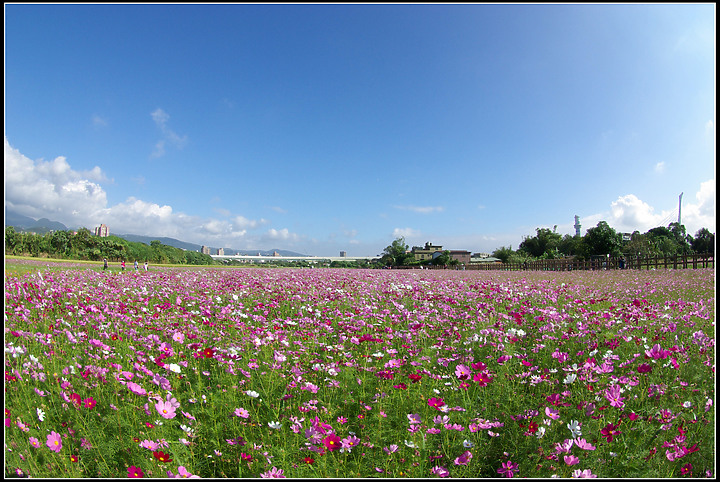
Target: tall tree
{"points": [[544, 243], [602, 239], [396, 254], [704, 242]]}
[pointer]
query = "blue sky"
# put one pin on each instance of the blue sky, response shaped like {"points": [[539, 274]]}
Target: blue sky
{"points": [[321, 128]]}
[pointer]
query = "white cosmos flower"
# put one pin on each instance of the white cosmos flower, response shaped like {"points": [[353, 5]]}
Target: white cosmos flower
{"points": [[41, 415], [275, 425], [252, 393]]}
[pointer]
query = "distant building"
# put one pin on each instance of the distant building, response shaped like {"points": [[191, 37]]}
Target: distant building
{"points": [[102, 231], [422, 254], [343, 254], [220, 251], [205, 250], [461, 255]]}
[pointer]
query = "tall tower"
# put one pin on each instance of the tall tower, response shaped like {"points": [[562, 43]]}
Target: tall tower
{"points": [[577, 225], [679, 208]]}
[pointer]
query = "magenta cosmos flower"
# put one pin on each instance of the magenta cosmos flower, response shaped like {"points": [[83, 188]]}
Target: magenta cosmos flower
{"points": [[332, 442], [508, 468], [135, 472], [54, 441], [436, 402]]}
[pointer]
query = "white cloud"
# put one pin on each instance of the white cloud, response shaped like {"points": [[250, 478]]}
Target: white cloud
{"points": [[421, 209], [50, 189], [405, 233], [629, 213], [55, 191], [245, 223], [660, 167], [160, 117], [98, 121], [281, 234]]}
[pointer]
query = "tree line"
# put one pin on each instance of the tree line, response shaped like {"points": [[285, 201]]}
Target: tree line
{"points": [[601, 240], [84, 245]]}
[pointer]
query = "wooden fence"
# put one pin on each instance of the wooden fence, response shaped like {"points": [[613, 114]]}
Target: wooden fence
{"points": [[639, 262]]}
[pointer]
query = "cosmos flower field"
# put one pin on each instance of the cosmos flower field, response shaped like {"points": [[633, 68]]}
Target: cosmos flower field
{"points": [[359, 373]]}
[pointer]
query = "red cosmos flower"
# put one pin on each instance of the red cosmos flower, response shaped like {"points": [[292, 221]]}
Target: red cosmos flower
{"points": [[309, 460], [208, 353], [401, 386], [415, 377], [332, 442], [532, 427], [73, 458], [162, 456], [89, 403], [135, 472], [75, 398], [686, 469], [610, 431]]}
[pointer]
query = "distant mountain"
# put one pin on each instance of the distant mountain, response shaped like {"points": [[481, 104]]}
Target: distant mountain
{"points": [[196, 247], [25, 223], [44, 225]]}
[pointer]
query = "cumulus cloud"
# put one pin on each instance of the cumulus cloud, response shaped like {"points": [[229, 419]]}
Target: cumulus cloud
{"points": [[629, 213], [53, 188], [75, 198], [406, 233], [161, 118], [242, 222], [281, 234], [421, 209]]}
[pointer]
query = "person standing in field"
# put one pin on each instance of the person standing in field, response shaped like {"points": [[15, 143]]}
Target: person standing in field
{"points": [[122, 265], [136, 265], [146, 266], [104, 264]]}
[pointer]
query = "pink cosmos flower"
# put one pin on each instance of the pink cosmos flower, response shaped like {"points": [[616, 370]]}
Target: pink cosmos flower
{"points": [[436, 402], [462, 372], [613, 395], [508, 468], [54, 441], [464, 458], [135, 472], [165, 409], [350, 442], [136, 389], [552, 413], [440, 471], [149, 444], [273, 473], [584, 444], [241, 412], [89, 403], [571, 460], [34, 442]]}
